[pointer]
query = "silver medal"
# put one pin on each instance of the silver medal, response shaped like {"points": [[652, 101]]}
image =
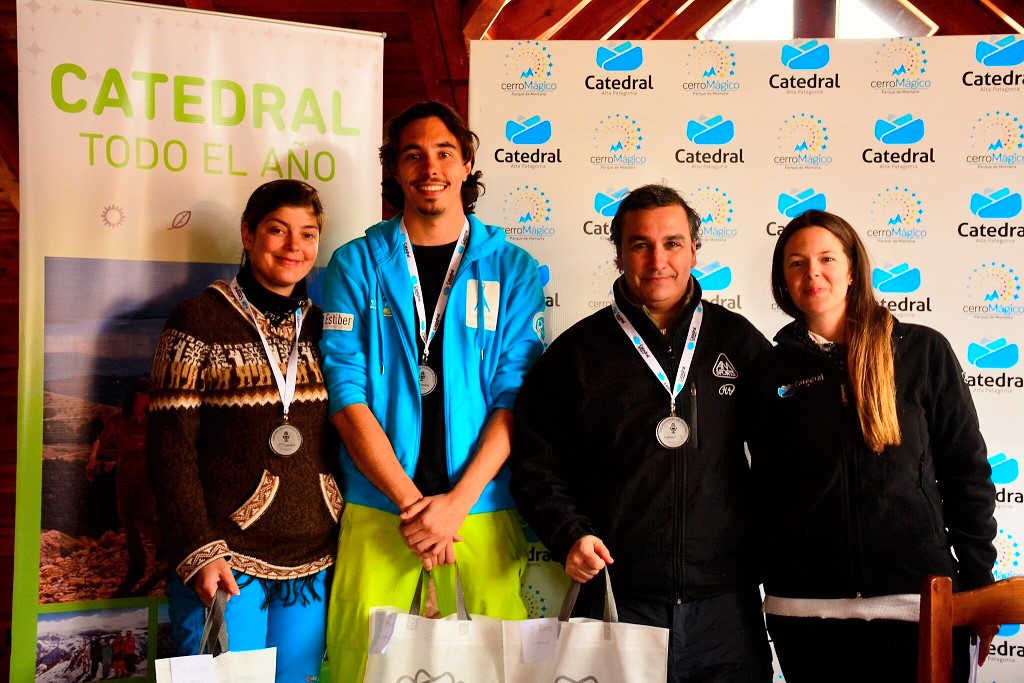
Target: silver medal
{"points": [[672, 432], [428, 380], [285, 440]]}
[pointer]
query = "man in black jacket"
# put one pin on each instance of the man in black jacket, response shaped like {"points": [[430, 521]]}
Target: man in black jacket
{"points": [[628, 446]]}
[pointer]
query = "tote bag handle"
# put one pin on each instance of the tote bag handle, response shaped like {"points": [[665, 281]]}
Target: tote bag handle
{"points": [[611, 612]]}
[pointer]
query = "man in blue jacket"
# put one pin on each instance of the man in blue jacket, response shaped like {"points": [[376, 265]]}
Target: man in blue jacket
{"points": [[430, 323]]}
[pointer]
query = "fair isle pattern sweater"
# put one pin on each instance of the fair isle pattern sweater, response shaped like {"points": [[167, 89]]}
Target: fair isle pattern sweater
{"points": [[221, 491]]}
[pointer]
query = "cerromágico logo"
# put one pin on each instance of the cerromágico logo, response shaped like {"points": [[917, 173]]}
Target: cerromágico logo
{"points": [[793, 203], [893, 130], [711, 69], [1008, 557], [994, 291], [995, 211], [528, 214], [900, 66], [620, 60], [811, 55], [529, 68], [601, 282], [714, 207], [710, 131], [902, 279], [896, 216], [606, 203], [1001, 53], [715, 277], [992, 359], [528, 132], [803, 141], [997, 141], [551, 300], [618, 143]]}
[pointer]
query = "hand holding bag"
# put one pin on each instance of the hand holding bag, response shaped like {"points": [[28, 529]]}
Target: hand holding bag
{"points": [[220, 665], [584, 650], [410, 648]]}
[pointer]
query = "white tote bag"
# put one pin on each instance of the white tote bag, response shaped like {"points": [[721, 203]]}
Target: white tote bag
{"points": [[578, 650], [221, 665], [410, 648]]}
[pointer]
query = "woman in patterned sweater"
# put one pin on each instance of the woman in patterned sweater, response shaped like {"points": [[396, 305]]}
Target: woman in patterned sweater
{"points": [[245, 492]]}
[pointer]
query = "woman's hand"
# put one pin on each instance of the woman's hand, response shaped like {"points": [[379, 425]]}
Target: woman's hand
{"points": [[210, 577]]}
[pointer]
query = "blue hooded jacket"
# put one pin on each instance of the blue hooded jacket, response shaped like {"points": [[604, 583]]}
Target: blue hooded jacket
{"points": [[370, 353]]}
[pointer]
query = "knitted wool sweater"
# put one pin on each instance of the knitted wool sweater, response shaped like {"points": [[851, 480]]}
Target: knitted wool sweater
{"points": [[221, 491]]}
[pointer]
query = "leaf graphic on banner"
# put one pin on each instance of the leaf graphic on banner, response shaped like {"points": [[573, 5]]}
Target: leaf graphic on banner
{"points": [[566, 679], [424, 676], [181, 220]]}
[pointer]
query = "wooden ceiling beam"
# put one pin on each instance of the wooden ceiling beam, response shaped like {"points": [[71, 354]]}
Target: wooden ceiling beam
{"points": [[271, 7], [688, 19], [441, 50], [206, 5], [478, 15], [647, 19], [534, 19], [598, 20], [961, 18], [814, 18], [1010, 11]]}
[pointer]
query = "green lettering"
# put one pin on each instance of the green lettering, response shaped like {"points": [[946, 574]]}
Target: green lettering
{"points": [[57, 87], [272, 163], [112, 94], [182, 99], [307, 101], [92, 138], [336, 118], [149, 81], [267, 100], [218, 89]]}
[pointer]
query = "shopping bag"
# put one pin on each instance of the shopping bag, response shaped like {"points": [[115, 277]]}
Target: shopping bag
{"points": [[220, 665], [410, 648], [579, 650]]}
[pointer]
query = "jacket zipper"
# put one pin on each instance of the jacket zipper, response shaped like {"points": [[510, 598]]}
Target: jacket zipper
{"points": [[853, 524]]}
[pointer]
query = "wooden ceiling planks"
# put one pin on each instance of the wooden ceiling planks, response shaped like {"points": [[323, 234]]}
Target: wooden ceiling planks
{"points": [[598, 20], [962, 18], [534, 19], [685, 24]]}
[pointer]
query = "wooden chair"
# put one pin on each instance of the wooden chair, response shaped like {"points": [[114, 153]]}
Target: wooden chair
{"points": [[941, 610]]}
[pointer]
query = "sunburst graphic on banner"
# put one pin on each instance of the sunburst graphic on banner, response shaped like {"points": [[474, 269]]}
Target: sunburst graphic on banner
{"points": [[527, 205], [604, 276], [711, 59], [534, 601], [618, 133], [994, 282], [528, 59], [113, 216], [901, 58], [897, 206], [998, 131], [803, 132], [1008, 559], [713, 206]]}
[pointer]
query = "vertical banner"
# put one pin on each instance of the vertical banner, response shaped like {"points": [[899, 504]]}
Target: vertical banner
{"points": [[143, 131], [917, 142]]}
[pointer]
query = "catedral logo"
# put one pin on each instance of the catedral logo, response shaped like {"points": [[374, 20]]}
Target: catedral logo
{"points": [[527, 213], [899, 130], [618, 143], [809, 56], [624, 57], [900, 66], [528, 131], [707, 132], [715, 277], [803, 142], [994, 289], [605, 205], [711, 69], [550, 298], [997, 141], [1001, 53], [988, 356], [891, 281], [715, 209], [990, 206], [793, 203], [529, 67], [897, 214]]}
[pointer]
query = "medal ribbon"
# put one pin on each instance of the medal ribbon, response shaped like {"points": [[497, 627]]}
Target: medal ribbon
{"points": [[652, 362], [427, 335], [285, 386]]}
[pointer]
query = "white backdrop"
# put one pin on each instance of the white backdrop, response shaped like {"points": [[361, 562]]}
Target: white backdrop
{"points": [[919, 143]]}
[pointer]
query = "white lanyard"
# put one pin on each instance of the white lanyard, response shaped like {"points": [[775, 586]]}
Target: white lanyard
{"points": [[427, 335], [286, 387], [684, 362]]}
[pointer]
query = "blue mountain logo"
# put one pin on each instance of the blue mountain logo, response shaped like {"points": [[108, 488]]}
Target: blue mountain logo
{"points": [[900, 71], [999, 204], [1005, 470], [710, 72], [607, 204], [1008, 51], [806, 57], [527, 73], [902, 130], [713, 277], [989, 355], [793, 204], [713, 131], [898, 220], [900, 279], [622, 57], [530, 131]]}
